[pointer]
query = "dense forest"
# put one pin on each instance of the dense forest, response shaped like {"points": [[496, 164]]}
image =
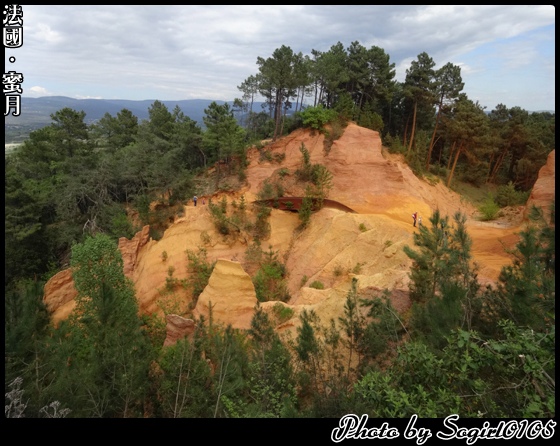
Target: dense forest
{"points": [[72, 188]]}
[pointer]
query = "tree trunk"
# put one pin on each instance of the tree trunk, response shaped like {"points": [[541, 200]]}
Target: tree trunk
{"points": [[432, 142], [497, 166], [459, 150], [277, 114], [451, 154], [413, 130], [406, 131], [490, 168]]}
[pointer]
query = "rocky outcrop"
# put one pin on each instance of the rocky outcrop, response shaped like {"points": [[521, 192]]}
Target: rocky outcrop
{"points": [[231, 295], [130, 249], [60, 294], [543, 192], [365, 179], [177, 328], [336, 246], [59, 291]]}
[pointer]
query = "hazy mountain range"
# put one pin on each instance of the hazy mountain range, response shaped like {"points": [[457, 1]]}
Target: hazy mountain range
{"points": [[36, 112]]}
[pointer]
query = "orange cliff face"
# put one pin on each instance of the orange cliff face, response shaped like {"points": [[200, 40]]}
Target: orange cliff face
{"points": [[336, 246]]}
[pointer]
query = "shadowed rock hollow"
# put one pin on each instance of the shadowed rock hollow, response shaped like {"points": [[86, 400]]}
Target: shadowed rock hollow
{"points": [[336, 246]]}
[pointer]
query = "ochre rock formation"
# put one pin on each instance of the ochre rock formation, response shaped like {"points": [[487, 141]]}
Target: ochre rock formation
{"points": [[543, 192], [336, 246], [230, 294], [60, 295], [130, 249], [364, 178], [177, 328]]}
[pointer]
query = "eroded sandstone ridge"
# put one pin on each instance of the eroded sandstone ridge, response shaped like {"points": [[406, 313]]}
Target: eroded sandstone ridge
{"points": [[336, 247], [543, 192]]}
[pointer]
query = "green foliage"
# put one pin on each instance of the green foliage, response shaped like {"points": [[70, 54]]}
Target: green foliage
{"points": [[219, 217], [184, 385], [282, 313], [371, 120], [68, 184], [270, 190], [317, 117], [489, 209], [199, 269], [107, 371], [526, 288], [227, 351], [322, 179], [306, 171], [353, 323], [443, 285], [384, 328], [26, 327], [394, 144], [271, 381], [270, 279], [121, 226], [507, 195], [508, 377], [362, 227], [283, 172], [357, 269], [224, 139], [318, 285], [430, 263], [321, 373], [305, 211], [385, 395]]}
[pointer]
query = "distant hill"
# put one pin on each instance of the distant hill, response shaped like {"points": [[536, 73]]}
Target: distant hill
{"points": [[35, 112]]}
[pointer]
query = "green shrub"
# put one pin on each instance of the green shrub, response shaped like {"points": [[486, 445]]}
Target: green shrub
{"points": [[489, 209], [282, 313], [363, 227], [305, 211], [269, 281], [317, 285], [283, 172], [317, 117], [357, 268], [508, 196], [121, 226], [200, 270]]}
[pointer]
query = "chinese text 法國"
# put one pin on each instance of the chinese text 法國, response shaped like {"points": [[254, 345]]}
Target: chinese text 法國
{"points": [[12, 35]]}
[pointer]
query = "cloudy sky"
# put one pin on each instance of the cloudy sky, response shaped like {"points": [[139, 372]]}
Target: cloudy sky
{"points": [[506, 53]]}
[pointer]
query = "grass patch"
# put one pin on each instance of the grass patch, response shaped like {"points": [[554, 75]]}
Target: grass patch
{"points": [[474, 195], [317, 285], [282, 313]]}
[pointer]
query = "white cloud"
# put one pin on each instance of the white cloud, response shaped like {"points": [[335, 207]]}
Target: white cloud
{"points": [[182, 52], [37, 92]]}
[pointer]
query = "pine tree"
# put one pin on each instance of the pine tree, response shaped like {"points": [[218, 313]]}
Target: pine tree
{"points": [[271, 380], [444, 288], [526, 289], [107, 356]]}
